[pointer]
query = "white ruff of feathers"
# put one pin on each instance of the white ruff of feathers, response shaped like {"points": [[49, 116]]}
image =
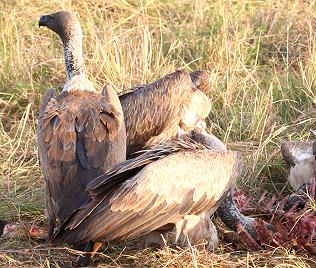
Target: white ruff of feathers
{"points": [[78, 82]]}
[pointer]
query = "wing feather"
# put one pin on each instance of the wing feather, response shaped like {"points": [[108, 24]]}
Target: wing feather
{"points": [[77, 136], [153, 112], [153, 197]]}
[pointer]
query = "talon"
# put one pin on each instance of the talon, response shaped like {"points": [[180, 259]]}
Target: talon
{"points": [[96, 247]]}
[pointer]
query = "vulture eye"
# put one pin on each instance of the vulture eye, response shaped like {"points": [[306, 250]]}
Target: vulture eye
{"points": [[50, 18], [46, 20]]}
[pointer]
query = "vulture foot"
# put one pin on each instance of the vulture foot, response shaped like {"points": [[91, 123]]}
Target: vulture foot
{"points": [[84, 259]]}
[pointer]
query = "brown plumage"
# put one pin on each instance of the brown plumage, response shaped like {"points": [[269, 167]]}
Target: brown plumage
{"points": [[201, 81], [160, 111], [152, 190], [300, 157], [153, 113], [80, 132]]}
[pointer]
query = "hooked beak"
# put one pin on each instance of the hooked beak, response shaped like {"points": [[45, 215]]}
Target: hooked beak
{"points": [[45, 20]]}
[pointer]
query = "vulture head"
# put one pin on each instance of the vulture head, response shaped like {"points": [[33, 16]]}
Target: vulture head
{"points": [[63, 23], [67, 26]]}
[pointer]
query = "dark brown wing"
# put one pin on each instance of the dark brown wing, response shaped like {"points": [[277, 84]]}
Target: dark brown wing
{"points": [[161, 192], [77, 137], [49, 94], [153, 112]]}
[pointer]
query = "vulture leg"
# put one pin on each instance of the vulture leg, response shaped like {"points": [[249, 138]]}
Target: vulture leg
{"points": [[90, 248], [51, 227], [213, 239], [96, 247], [85, 259]]}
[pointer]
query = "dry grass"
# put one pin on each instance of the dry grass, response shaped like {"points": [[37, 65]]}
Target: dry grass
{"points": [[261, 59]]}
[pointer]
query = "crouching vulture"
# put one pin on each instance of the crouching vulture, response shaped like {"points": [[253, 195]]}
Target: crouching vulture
{"points": [[164, 186], [80, 132], [300, 157], [160, 111]]}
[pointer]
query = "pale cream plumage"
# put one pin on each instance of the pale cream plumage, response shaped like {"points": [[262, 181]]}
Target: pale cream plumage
{"points": [[301, 160], [155, 189]]}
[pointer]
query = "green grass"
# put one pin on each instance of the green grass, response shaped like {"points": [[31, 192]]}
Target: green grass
{"points": [[261, 59]]}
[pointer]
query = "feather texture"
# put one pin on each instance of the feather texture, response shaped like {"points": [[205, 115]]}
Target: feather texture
{"points": [[156, 188], [153, 113], [294, 152], [300, 157], [78, 140]]}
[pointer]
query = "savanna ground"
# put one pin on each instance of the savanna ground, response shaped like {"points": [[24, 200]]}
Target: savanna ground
{"points": [[261, 59]]}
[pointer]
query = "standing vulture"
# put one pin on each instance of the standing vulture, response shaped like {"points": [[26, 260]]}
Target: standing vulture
{"points": [[156, 112], [162, 187], [80, 132]]}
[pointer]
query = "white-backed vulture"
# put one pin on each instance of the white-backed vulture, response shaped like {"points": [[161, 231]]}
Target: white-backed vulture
{"points": [[300, 157], [159, 188], [80, 132], [162, 110]]}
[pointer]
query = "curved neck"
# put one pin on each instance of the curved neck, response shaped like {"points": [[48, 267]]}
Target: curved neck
{"points": [[73, 56]]}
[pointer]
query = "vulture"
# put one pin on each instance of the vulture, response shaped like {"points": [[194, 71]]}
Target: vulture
{"points": [[176, 183], [81, 133], [157, 112], [165, 109], [300, 157]]}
